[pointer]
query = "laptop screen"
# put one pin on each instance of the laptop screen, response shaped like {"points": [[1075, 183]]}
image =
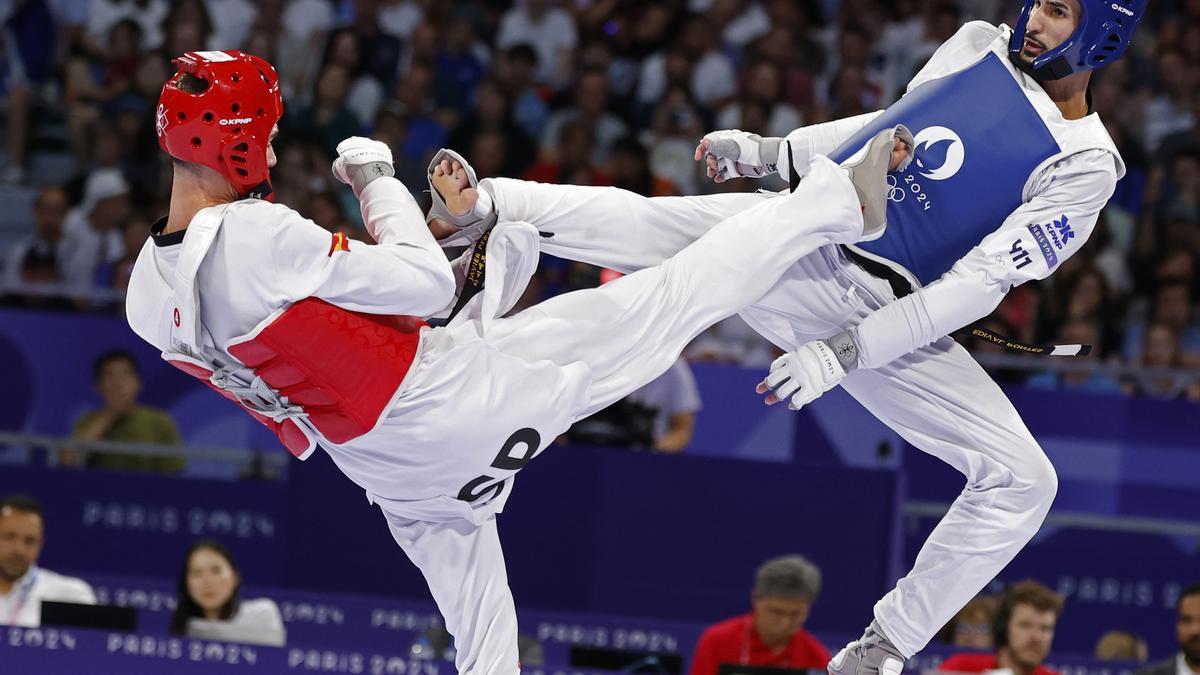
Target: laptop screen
{"points": [[103, 617], [738, 669]]}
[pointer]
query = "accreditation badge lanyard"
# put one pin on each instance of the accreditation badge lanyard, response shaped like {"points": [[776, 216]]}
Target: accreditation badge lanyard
{"points": [[23, 595], [745, 656]]}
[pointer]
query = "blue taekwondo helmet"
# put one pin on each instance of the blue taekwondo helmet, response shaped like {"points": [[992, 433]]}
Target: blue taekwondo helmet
{"points": [[1104, 33]]}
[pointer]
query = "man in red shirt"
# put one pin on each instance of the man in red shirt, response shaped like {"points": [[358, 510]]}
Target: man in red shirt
{"points": [[773, 634], [1024, 632]]}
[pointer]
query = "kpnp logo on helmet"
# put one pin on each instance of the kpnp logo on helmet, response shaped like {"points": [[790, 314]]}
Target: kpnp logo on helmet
{"points": [[1126, 12], [236, 120]]}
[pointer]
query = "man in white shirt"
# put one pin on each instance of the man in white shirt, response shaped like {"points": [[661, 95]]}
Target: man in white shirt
{"points": [[24, 585], [1186, 661], [675, 400], [550, 30], [92, 239]]}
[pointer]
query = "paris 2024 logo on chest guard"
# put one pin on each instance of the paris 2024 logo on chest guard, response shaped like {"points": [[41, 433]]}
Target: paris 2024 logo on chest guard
{"points": [[939, 155]]}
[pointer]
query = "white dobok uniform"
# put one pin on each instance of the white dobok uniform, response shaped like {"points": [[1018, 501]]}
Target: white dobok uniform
{"points": [[483, 395], [1057, 173]]}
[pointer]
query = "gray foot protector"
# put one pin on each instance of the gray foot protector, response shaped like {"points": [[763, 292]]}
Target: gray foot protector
{"points": [[868, 173], [471, 227]]}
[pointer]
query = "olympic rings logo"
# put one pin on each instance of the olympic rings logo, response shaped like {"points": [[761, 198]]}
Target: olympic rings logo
{"points": [[895, 192]]}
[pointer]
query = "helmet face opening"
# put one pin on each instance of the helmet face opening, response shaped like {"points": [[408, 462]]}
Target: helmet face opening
{"points": [[1104, 32], [218, 110]]}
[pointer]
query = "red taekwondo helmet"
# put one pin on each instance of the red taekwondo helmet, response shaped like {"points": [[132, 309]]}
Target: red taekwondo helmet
{"points": [[226, 125]]}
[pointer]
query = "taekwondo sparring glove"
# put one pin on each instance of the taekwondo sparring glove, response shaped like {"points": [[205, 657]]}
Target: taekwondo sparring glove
{"points": [[739, 153], [362, 160], [801, 376]]}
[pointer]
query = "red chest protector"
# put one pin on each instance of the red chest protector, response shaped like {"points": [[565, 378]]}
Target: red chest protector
{"points": [[336, 369]]}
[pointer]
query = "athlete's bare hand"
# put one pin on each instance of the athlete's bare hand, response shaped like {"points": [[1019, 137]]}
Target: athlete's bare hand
{"points": [[710, 161]]}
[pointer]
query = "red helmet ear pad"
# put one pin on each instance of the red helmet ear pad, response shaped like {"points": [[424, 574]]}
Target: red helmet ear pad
{"points": [[227, 126]]}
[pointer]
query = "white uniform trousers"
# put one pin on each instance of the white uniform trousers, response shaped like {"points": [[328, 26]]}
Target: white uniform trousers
{"points": [[937, 398], [475, 382]]}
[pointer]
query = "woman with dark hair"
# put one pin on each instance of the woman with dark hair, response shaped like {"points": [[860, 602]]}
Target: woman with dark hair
{"points": [[208, 590]]}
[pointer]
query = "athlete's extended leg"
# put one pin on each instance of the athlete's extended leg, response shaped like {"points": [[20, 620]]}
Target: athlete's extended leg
{"points": [[631, 330], [612, 227]]}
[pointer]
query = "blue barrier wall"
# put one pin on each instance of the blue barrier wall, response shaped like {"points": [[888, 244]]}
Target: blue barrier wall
{"points": [[587, 529], [673, 537]]}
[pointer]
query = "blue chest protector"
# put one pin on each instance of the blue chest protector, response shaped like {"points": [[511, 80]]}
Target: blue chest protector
{"points": [[978, 140]]}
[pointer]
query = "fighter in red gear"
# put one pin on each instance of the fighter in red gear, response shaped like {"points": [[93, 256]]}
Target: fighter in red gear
{"points": [[324, 340]]}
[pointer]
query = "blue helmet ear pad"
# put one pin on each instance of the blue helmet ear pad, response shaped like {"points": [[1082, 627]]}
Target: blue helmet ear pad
{"points": [[1104, 32]]}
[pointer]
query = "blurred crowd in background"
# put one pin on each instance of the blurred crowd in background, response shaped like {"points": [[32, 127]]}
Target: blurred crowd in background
{"points": [[597, 92]]}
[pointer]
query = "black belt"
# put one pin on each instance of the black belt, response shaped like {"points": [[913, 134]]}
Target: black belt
{"points": [[472, 283], [902, 287]]}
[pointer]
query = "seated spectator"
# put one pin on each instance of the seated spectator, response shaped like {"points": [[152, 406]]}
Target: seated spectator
{"points": [[1186, 661], [1079, 332], [591, 108], [673, 399], [366, 93], [972, 626], [491, 114], [459, 69], [134, 233], [571, 163], [1023, 633], [1162, 351], [208, 590], [1119, 645], [427, 128], [675, 123], [123, 419], [1173, 308], [27, 67], [549, 29], [324, 210], [630, 166], [708, 72], [517, 73], [328, 120], [92, 240], [773, 634], [762, 86], [660, 416], [35, 260], [24, 585]]}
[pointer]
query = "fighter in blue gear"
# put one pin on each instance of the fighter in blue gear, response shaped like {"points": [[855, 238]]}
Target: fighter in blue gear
{"points": [[1009, 174]]}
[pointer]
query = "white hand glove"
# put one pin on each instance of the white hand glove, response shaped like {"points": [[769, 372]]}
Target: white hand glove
{"points": [[738, 153], [362, 160], [816, 367]]}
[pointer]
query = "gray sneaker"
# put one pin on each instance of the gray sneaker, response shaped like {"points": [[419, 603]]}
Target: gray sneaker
{"points": [[471, 226], [868, 170], [871, 654]]}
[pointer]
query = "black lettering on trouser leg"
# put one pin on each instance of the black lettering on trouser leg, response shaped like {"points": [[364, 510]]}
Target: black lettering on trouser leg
{"points": [[504, 461]]}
